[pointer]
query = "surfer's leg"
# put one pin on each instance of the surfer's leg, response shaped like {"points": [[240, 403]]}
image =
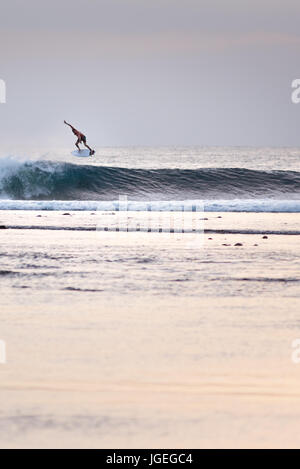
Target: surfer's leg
{"points": [[78, 141], [86, 146]]}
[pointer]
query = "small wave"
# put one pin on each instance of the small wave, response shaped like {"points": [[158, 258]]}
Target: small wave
{"points": [[265, 279], [5, 273], [236, 205], [86, 290]]}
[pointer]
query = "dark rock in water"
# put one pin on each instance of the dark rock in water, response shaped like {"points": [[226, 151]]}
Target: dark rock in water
{"points": [[238, 244], [2, 227], [265, 237], [67, 214], [226, 244], [219, 217], [39, 216], [210, 239], [255, 244]]}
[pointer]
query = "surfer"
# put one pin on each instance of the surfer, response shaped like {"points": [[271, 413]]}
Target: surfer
{"points": [[81, 138]]}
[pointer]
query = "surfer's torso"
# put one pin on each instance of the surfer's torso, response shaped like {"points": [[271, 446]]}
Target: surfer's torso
{"points": [[80, 135]]}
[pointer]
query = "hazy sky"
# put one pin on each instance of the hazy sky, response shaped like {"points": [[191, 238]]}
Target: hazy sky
{"points": [[152, 72]]}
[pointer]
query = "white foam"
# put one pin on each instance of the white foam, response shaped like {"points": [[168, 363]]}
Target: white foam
{"points": [[266, 205], [9, 165]]}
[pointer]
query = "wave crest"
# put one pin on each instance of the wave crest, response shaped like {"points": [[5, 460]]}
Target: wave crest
{"points": [[47, 180]]}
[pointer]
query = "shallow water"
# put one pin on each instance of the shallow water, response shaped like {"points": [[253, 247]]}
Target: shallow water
{"points": [[141, 341]]}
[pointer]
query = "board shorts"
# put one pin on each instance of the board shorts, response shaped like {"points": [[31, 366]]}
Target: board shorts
{"points": [[83, 138]]}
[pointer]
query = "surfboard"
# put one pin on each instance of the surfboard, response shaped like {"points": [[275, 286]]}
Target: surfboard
{"points": [[81, 153]]}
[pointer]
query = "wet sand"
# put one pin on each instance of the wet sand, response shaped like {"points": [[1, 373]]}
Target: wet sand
{"points": [[144, 340]]}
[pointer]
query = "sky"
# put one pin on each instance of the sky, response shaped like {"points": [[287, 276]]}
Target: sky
{"points": [[150, 72]]}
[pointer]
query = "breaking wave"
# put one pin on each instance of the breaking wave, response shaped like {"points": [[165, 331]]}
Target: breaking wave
{"points": [[48, 180]]}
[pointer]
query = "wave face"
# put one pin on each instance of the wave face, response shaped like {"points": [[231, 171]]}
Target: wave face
{"points": [[45, 180]]}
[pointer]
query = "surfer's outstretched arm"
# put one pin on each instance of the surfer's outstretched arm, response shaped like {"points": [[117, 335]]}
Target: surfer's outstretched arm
{"points": [[65, 122], [75, 131]]}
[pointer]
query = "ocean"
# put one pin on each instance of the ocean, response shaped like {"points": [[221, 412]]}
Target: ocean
{"points": [[150, 338], [223, 179]]}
